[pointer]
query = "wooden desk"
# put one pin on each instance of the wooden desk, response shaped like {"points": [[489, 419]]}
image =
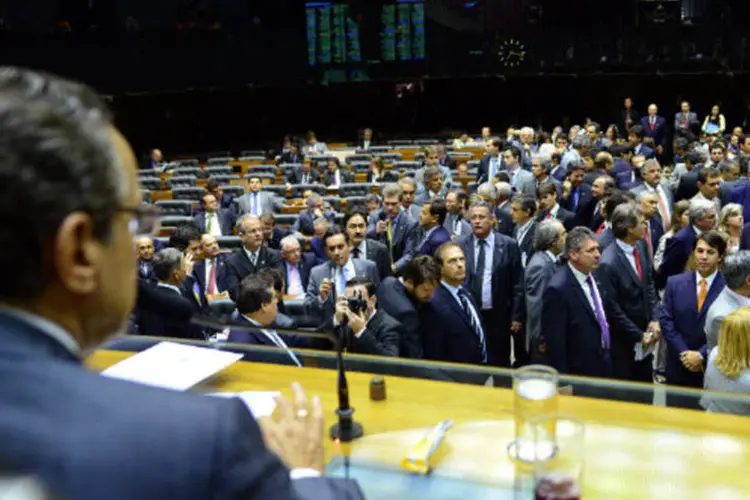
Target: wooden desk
{"points": [[632, 451]]}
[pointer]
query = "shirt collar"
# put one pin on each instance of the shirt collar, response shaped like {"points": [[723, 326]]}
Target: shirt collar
{"points": [[554, 210], [698, 232], [709, 279], [167, 285], [744, 301], [525, 227], [452, 289], [52, 330], [430, 231], [552, 256], [624, 246], [580, 277], [490, 239], [250, 254]]}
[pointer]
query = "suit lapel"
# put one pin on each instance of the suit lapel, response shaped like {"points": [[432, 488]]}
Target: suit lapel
{"points": [[713, 292], [200, 274], [581, 295], [624, 262], [470, 264], [453, 303]]}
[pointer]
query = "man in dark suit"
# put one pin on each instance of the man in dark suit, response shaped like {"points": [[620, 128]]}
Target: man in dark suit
{"points": [[252, 257], [687, 186], [578, 311], [226, 201], [550, 209], [456, 205], [369, 330], [451, 322], [541, 168], [366, 141], [622, 171], [687, 299], [432, 234], [745, 237], [494, 277], [702, 215], [635, 137], [444, 160], [626, 267], [58, 308], [491, 195], [648, 203], [522, 209], [305, 222], [549, 243], [490, 164], [577, 196], [210, 272], [394, 228], [272, 235], [295, 267], [402, 298], [355, 225], [213, 220], [303, 175], [335, 176], [686, 122], [145, 247], [655, 126], [292, 156], [328, 280], [727, 185]]}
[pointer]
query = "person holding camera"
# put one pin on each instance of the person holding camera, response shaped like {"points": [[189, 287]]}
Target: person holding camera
{"points": [[366, 329]]}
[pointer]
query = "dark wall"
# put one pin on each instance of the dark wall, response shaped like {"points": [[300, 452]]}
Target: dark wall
{"points": [[191, 122]]}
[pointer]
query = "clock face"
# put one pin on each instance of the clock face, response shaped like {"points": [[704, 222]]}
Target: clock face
{"points": [[512, 53]]}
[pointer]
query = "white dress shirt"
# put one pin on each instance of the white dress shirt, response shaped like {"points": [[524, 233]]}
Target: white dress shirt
{"points": [[252, 256], [709, 281], [489, 252], [581, 279], [350, 273], [628, 250], [209, 264]]}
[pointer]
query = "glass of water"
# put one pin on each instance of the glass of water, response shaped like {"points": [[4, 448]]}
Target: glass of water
{"points": [[534, 396], [558, 464]]}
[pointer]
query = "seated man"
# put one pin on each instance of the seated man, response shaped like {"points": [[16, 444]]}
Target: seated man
{"points": [[210, 273], [303, 175], [145, 247], [255, 201], [214, 220], [369, 330], [335, 176], [272, 235], [305, 222]]}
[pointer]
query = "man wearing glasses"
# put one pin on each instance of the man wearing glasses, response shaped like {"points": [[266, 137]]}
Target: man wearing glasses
{"points": [[70, 284]]}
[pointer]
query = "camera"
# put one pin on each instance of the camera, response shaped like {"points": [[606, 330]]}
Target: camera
{"points": [[356, 304]]}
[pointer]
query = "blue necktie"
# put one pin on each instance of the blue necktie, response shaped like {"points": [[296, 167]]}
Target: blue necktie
{"points": [[576, 194], [493, 168], [344, 279], [255, 204], [474, 325]]}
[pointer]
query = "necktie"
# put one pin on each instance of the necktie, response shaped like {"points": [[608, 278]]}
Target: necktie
{"points": [[254, 258], [476, 327], [637, 259], [601, 228], [549, 215], [294, 281], [344, 279], [210, 223], [211, 288], [390, 238], [255, 204], [280, 343], [457, 226], [600, 318], [663, 211], [575, 195], [493, 169], [652, 123], [647, 237], [684, 119], [702, 292], [478, 277], [356, 252]]}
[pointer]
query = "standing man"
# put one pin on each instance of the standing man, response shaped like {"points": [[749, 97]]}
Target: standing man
{"points": [[522, 181], [210, 273], [549, 207], [295, 266], [522, 209], [255, 201], [495, 280], [648, 204], [213, 220], [355, 225], [252, 257], [655, 126], [145, 247], [394, 228], [686, 122], [489, 165], [651, 175], [709, 180], [456, 205], [433, 234], [549, 243]]}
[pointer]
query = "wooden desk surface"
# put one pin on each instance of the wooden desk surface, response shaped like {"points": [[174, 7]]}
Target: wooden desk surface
{"points": [[632, 451]]}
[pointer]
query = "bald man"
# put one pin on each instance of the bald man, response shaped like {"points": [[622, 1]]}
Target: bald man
{"points": [[655, 126], [145, 247]]}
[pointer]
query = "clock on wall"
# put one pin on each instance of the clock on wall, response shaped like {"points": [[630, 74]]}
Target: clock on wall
{"points": [[512, 53]]}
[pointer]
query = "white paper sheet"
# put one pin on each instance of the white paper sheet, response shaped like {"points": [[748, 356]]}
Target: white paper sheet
{"points": [[172, 366], [260, 403]]}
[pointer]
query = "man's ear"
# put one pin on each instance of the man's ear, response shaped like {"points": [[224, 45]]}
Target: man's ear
{"points": [[77, 255]]}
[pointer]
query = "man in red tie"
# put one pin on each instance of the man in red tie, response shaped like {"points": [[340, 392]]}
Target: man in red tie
{"points": [[685, 122], [653, 230], [209, 272], [626, 268], [655, 127]]}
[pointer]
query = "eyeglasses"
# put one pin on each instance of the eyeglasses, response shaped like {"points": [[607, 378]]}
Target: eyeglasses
{"points": [[146, 220]]}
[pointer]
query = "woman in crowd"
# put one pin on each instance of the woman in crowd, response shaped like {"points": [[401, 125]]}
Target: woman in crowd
{"points": [[679, 220], [375, 174], [730, 225], [728, 367], [714, 122]]}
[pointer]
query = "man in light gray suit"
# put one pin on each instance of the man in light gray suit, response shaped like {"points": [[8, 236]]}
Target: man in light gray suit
{"points": [[456, 202], [549, 242], [686, 122], [409, 189], [72, 428], [736, 294], [651, 175], [256, 201], [328, 280], [522, 181]]}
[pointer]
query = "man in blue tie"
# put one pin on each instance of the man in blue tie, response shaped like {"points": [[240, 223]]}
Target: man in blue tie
{"points": [[450, 322], [489, 165], [257, 202]]}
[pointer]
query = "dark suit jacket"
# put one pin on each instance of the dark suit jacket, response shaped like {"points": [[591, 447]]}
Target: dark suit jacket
{"points": [[656, 230], [526, 244], [504, 222], [289, 158], [92, 425], [345, 176], [446, 330], [238, 266], [427, 247], [199, 271], [645, 151], [538, 272], [638, 301], [277, 235], [305, 265], [660, 131], [146, 270], [163, 312], [605, 239], [380, 337], [295, 176], [378, 253], [688, 186], [396, 301], [404, 238], [585, 208], [571, 329], [226, 222], [483, 169], [565, 216], [326, 309], [741, 195], [622, 173], [305, 222], [745, 237], [635, 118], [255, 337], [448, 161], [676, 255], [507, 289], [682, 325]]}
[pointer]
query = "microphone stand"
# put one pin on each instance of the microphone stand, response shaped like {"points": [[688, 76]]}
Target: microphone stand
{"points": [[346, 430]]}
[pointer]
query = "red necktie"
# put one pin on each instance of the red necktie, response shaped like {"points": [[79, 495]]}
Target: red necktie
{"points": [[549, 215], [647, 237], [653, 121], [211, 288], [601, 228], [638, 263], [684, 119]]}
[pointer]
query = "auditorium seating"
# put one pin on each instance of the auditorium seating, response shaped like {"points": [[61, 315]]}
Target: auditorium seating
{"points": [[175, 207]]}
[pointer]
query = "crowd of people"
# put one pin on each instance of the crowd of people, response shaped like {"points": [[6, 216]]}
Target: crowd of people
{"points": [[591, 252]]}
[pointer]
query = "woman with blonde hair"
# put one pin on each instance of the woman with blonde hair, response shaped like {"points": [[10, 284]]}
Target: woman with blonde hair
{"points": [[730, 225], [679, 220], [728, 367]]}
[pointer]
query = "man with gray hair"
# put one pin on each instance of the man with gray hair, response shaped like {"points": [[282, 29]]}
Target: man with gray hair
{"points": [[167, 315], [70, 284], [626, 267], [702, 214], [549, 243], [503, 220], [736, 294], [579, 147], [434, 187], [252, 257], [578, 311], [503, 193], [394, 228], [305, 222], [408, 193]]}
